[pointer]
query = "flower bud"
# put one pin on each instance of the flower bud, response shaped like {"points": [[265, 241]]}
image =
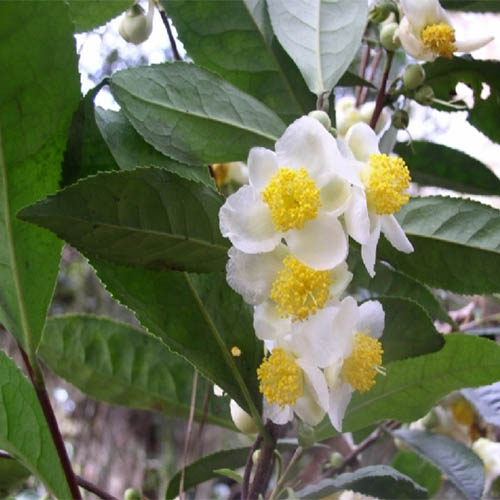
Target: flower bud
{"points": [[424, 95], [255, 457], [132, 494], [322, 117], [136, 26], [306, 435], [242, 420], [400, 119], [388, 38], [336, 459], [413, 76], [381, 11]]}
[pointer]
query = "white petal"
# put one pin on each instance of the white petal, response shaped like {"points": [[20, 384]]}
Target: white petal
{"points": [[262, 165], [422, 13], [339, 399], [307, 144], [335, 195], [356, 217], [369, 249], [268, 324], [252, 275], [394, 233], [371, 317], [363, 141], [315, 386], [472, 44], [246, 220], [321, 244], [278, 415], [411, 42], [341, 277], [344, 326]]}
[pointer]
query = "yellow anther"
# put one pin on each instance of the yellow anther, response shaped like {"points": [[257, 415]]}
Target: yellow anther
{"points": [[236, 351], [292, 197], [281, 379], [299, 291], [463, 412], [220, 173], [361, 368], [385, 179], [440, 38]]}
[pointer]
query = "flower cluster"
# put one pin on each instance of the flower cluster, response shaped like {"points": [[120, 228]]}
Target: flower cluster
{"points": [[290, 228]]}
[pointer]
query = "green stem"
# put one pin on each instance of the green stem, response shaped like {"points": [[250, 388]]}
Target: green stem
{"points": [[281, 482]]}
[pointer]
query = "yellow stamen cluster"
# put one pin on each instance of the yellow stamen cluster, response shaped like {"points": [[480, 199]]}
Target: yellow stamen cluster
{"points": [[299, 291], [463, 412], [236, 351], [220, 172], [361, 368], [281, 379], [292, 197], [385, 179], [440, 39]]}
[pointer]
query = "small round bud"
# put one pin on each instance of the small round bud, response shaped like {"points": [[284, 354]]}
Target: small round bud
{"points": [[388, 38], [136, 26], [336, 459], [413, 76], [400, 119], [306, 435], [132, 494], [242, 420], [255, 457], [424, 95], [322, 117], [380, 12]]}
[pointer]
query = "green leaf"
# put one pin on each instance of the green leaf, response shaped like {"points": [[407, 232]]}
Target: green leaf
{"points": [[349, 79], [472, 5], [37, 98], [412, 386], [456, 241], [436, 165], [88, 14], [24, 432], [119, 364], [375, 480], [408, 330], [242, 50], [130, 150], [421, 471], [392, 283], [230, 474], [146, 217], [193, 115], [486, 401], [460, 464], [206, 467], [196, 316], [443, 76], [12, 476], [86, 152], [322, 37]]}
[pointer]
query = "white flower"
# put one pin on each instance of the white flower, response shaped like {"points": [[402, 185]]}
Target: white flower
{"points": [[347, 115], [371, 209], [242, 420], [283, 289], [425, 31], [350, 351], [291, 381], [235, 171], [489, 451], [136, 26], [296, 194]]}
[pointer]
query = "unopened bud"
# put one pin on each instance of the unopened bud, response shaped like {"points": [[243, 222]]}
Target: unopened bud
{"points": [[388, 37], [306, 435], [132, 494], [336, 459], [424, 95], [322, 117], [136, 26], [255, 457], [400, 119], [413, 76], [242, 420], [381, 11]]}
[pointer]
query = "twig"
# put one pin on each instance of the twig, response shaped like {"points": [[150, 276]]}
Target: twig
{"points": [[479, 322], [48, 412], [188, 434], [371, 76], [282, 480], [171, 38], [248, 468], [379, 104], [362, 71]]}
